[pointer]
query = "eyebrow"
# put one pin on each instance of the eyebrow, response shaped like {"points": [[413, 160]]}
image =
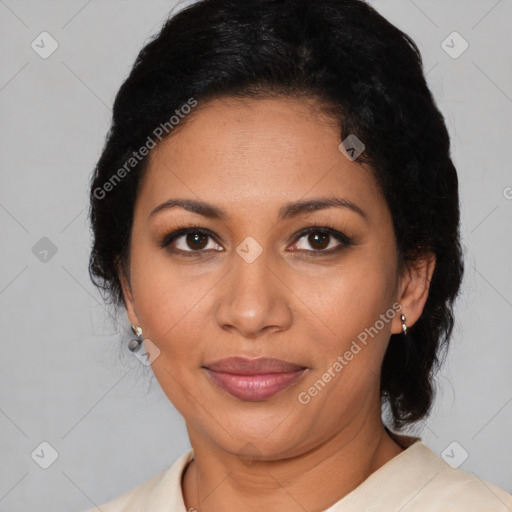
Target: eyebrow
{"points": [[288, 211]]}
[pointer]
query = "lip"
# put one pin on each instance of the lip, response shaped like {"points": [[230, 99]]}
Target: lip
{"points": [[254, 379]]}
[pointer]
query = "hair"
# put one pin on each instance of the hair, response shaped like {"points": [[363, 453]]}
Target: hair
{"points": [[369, 75]]}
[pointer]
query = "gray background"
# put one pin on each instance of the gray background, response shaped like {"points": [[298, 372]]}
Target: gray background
{"points": [[64, 378]]}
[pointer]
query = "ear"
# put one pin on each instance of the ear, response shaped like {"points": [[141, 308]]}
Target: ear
{"points": [[413, 290], [127, 295]]}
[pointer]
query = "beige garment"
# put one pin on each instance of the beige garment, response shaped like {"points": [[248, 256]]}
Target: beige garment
{"points": [[416, 480]]}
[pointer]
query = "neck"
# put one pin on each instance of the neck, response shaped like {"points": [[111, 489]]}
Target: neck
{"points": [[314, 480]]}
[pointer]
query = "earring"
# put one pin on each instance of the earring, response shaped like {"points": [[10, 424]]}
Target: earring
{"points": [[136, 342], [404, 325]]}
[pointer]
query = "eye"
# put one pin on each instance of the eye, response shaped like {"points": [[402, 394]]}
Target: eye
{"points": [[323, 240], [195, 241], [190, 240]]}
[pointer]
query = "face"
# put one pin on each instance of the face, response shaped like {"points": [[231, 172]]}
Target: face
{"points": [[281, 248]]}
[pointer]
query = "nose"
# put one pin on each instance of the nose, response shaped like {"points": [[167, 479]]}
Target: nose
{"points": [[254, 300]]}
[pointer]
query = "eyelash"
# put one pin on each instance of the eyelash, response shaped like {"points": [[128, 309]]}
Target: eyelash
{"points": [[345, 241]]}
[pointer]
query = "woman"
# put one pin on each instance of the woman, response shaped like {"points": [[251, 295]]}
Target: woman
{"points": [[277, 210]]}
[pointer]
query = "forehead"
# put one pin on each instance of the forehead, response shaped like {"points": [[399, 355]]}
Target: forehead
{"points": [[254, 153]]}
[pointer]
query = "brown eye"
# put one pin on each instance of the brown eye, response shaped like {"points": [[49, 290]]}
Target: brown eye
{"points": [[319, 240], [190, 240], [196, 241], [322, 240]]}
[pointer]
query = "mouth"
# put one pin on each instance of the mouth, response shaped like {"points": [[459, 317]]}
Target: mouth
{"points": [[253, 379]]}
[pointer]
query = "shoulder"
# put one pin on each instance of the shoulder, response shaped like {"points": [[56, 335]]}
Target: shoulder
{"points": [[155, 494], [462, 491], [432, 484], [418, 480]]}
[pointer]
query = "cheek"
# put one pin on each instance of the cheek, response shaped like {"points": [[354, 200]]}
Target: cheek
{"points": [[169, 301], [346, 321], [169, 307], [351, 297], [350, 316]]}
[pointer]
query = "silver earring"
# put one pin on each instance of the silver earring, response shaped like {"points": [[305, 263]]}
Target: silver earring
{"points": [[404, 325], [135, 343]]}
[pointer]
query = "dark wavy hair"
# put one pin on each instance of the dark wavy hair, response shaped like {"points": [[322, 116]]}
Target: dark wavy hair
{"points": [[357, 65]]}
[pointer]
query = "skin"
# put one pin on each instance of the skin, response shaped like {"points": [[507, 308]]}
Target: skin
{"points": [[292, 302]]}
